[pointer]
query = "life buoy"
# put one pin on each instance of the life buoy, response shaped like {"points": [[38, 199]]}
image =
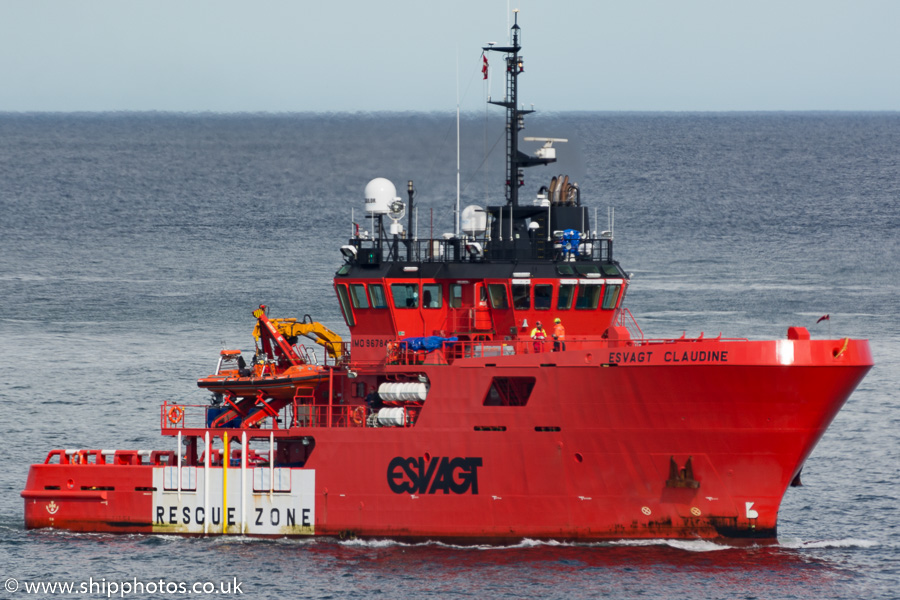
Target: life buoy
{"points": [[176, 413], [358, 415]]}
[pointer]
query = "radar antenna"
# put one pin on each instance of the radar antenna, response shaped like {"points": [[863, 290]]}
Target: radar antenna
{"points": [[515, 117]]}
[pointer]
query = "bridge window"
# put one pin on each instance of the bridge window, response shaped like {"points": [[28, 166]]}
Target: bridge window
{"points": [[509, 391], [543, 296], [406, 295], [521, 296], [431, 295], [344, 299], [376, 291], [588, 296], [498, 295], [455, 295], [358, 295], [611, 296], [611, 270], [566, 293]]}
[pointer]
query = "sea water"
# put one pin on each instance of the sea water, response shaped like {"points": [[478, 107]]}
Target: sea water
{"points": [[133, 247]]}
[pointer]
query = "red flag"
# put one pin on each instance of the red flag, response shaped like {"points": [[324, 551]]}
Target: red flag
{"points": [[823, 318], [484, 67]]}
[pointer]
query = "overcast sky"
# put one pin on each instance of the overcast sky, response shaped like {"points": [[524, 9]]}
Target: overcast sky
{"points": [[400, 55]]}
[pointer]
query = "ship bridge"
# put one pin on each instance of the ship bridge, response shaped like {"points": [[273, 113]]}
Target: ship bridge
{"points": [[512, 267]]}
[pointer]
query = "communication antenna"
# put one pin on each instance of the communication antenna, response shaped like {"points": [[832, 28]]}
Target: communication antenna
{"points": [[456, 227]]}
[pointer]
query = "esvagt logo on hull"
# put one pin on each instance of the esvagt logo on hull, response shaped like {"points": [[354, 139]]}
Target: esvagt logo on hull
{"points": [[415, 475]]}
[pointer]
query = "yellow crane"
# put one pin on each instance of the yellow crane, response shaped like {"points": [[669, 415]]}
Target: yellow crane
{"points": [[307, 328]]}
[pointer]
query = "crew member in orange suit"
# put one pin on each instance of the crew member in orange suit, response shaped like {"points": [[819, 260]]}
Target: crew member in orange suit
{"points": [[559, 336]]}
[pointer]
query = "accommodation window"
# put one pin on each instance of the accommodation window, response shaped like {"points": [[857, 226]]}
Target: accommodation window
{"points": [[455, 295], [358, 295], [431, 295], [509, 391], [521, 296], [498, 295], [376, 291], [543, 295], [406, 295], [588, 296], [344, 300], [566, 293], [611, 296]]}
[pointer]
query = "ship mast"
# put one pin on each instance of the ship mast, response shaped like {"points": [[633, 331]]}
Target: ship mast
{"points": [[515, 116]]}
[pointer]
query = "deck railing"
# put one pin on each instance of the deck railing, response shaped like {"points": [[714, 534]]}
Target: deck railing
{"points": [[373, 251], [624, 318], [299, 413], [453, 351]]}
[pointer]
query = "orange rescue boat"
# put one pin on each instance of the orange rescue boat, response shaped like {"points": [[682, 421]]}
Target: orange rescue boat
{"points": [[281, 371]]}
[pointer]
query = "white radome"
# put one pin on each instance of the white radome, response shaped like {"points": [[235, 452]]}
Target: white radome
{"points": [[474, 220], [380, 193]]}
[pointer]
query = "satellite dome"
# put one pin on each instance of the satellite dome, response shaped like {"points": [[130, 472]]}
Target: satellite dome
{"points": [[380, 192], [474, 220]]}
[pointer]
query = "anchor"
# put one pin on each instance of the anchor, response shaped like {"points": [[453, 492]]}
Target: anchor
{"points": [[682, 478]]}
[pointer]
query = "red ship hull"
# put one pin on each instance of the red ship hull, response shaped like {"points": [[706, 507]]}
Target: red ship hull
{"points": [[589, 457], [454, 414]]}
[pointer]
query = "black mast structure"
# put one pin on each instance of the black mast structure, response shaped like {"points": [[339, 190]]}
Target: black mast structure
{"points": [[553, 228], [515, 117]]}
